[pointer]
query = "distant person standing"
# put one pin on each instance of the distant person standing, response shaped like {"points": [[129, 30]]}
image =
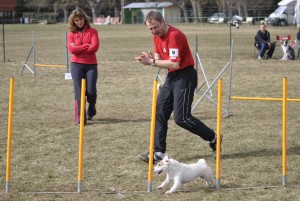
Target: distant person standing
{"points": [[262, 40], [297, 13], [298, 40], [83, 43], [172, 52]]}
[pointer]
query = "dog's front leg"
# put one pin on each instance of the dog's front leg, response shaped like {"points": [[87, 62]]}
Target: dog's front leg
{"points": [[210, 181], [177, 183], [284, 58], [164, 183]]}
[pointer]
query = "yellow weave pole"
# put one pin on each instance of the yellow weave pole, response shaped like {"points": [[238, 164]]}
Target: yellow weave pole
{"points": [[219, 115], [81, 136], [9, 132], [284, 112], [152, 134]]}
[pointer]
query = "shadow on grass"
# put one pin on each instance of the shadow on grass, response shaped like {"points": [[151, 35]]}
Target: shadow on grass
{"points": [[262, 153], [256, 153], [115, 121]]}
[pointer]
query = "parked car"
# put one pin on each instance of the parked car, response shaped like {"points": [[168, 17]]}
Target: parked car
{"points": [[217, 18]]}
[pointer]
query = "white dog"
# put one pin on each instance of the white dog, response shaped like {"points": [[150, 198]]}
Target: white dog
{"points": [[183, 173], [288, 51]]}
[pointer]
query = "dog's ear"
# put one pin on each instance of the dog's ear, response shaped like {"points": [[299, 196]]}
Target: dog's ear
{"points": [[166, 159]]}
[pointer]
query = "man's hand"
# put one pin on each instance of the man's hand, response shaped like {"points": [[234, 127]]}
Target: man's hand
{"points": [[145, 58], [269, 44]]}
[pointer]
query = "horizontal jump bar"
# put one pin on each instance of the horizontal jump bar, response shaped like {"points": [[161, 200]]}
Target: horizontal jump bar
{"points": [[50, 65], [263, 99]]}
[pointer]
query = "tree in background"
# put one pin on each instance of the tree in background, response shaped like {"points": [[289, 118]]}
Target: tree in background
{"points": [[65, 6], [198, 9]]}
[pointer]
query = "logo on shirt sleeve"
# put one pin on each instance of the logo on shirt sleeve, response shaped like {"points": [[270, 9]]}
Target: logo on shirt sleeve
{"points": [[173, 53]]}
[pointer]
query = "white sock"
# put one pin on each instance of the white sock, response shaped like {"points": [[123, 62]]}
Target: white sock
{"points": [[160, 154], [214, 140]]}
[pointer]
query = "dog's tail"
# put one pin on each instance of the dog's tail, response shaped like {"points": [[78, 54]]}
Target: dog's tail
{"points": [[202, 161]]}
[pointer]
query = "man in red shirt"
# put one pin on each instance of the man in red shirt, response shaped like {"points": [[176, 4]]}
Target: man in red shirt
{"points": [[172, 52]]}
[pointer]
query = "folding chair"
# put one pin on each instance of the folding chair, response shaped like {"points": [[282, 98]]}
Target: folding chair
{"points": [[256, 48]]}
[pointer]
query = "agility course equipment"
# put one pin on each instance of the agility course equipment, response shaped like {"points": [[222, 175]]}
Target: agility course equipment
{"points": [[35, 64], [210, 85], [152, 134], [9, 133], [198, 60], [284, 100], [81, 135], [218, 154]]}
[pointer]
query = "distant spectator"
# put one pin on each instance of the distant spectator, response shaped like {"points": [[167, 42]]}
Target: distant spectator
{"points": [[298, 40], [262, 42], [22, 20]]}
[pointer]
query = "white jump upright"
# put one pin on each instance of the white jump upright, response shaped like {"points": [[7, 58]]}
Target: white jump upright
{"points": [[35, 64], [210, 85], [32, 49]]}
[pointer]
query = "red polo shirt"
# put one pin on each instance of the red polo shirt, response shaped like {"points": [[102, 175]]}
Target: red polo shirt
{"points": [[174, 47]]}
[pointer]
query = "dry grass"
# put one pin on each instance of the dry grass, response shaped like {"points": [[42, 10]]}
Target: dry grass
{"points": [[45, 140]]}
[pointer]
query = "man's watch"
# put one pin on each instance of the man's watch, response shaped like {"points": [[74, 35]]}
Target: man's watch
{"points": [[153, 63]]}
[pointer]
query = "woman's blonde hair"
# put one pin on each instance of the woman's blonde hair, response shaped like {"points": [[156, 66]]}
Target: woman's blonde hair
{"points": [[78, 12]]}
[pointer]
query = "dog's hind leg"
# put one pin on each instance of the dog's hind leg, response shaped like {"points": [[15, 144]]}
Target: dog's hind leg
{"points": [[176, 184]]}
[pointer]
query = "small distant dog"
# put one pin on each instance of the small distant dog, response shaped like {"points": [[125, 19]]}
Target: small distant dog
{"points": [[288, 51], [183, 173]]}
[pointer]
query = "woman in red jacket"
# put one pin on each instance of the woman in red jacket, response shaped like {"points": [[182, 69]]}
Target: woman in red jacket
{"points": [[83, 43]]}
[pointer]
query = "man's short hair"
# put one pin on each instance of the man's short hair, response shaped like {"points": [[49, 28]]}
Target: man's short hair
{"points": [[154, 15]]}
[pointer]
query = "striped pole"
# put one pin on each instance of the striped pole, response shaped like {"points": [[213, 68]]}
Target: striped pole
{"points": [[219, 114], [284, 111], [152, 134], [9, 133], [81, 136]]}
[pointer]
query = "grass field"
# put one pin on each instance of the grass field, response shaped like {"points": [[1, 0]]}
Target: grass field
{"points": [[44, 163]]}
